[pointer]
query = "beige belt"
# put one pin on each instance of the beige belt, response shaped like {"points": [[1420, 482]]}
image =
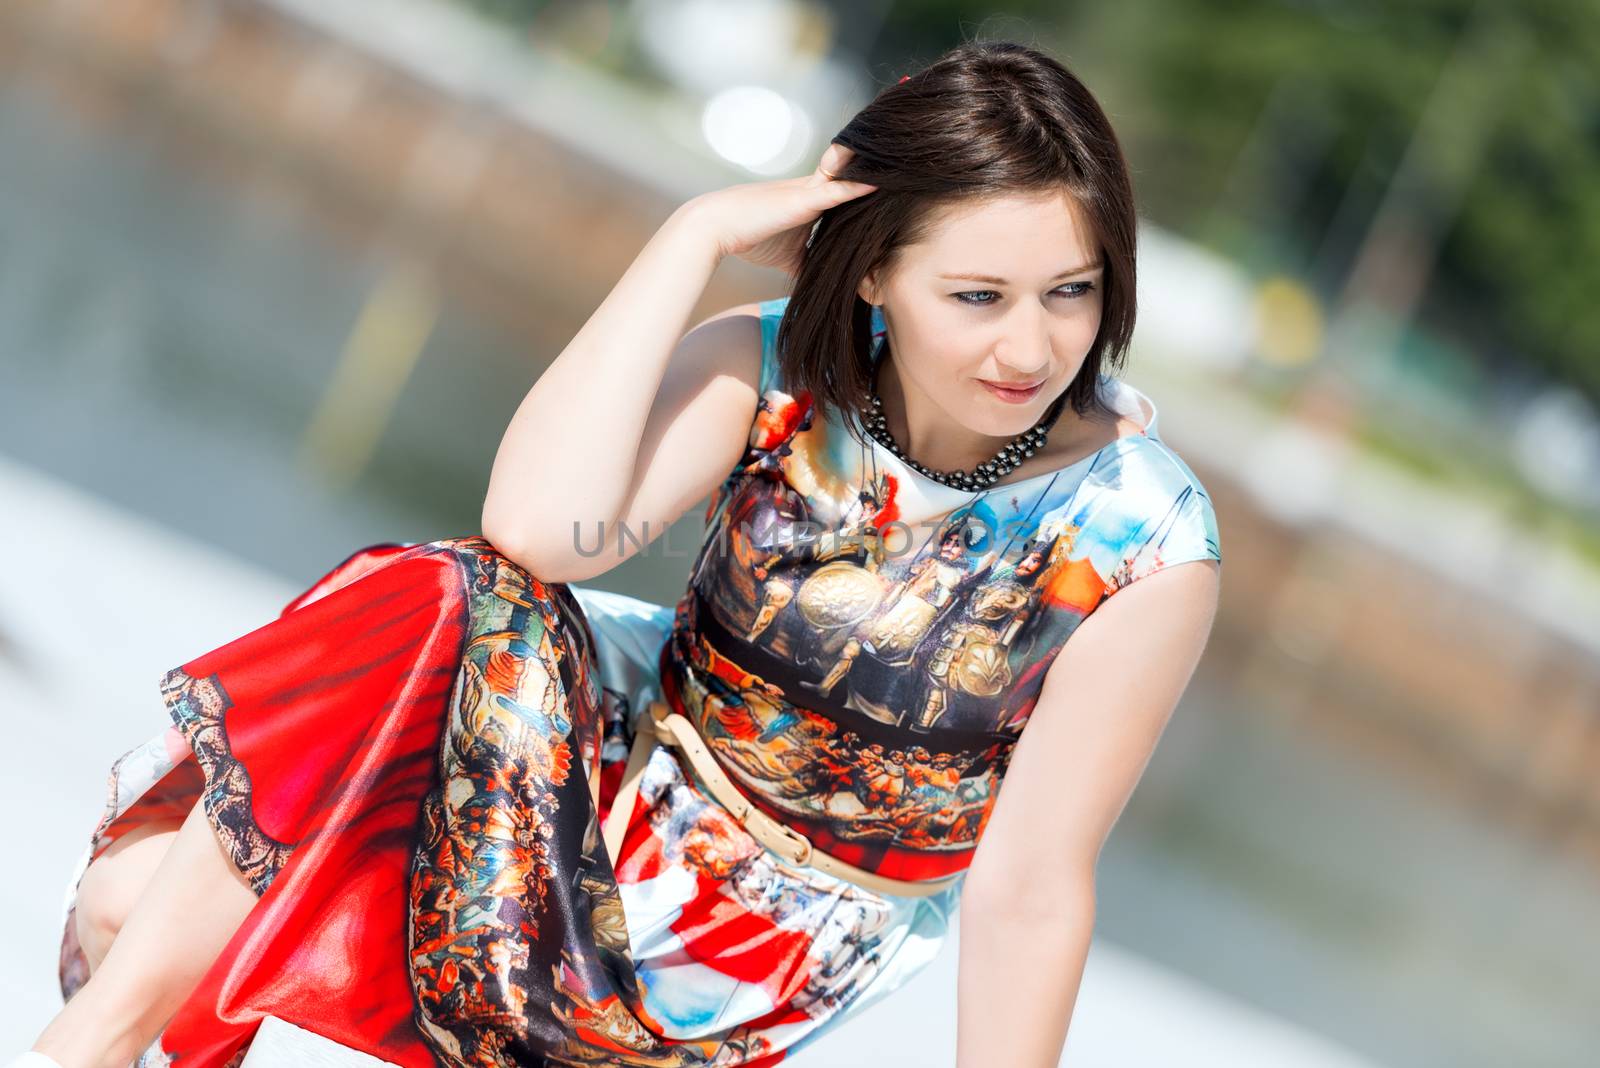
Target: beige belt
{"points": [[674, 729]]}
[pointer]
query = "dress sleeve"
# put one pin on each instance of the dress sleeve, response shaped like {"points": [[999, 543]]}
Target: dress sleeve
{"points": [[771, 317], [778, 416], [1185, 530]]}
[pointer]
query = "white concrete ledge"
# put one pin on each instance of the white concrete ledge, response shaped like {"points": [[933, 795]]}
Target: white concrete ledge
{"points": [[283, 1045]]}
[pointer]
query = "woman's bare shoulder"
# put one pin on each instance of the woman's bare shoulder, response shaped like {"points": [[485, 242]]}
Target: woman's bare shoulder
{"points": [[752, 309]]}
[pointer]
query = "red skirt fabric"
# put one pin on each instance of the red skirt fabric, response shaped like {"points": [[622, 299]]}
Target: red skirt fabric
{"points": [[410, 764], [313, 741]]}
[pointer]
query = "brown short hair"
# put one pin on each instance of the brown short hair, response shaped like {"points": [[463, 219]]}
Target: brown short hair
{"points": [[986, 119]]}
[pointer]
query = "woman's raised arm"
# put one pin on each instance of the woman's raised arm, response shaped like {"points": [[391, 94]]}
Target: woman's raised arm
{"points": [[631, 424], [570, 452]]}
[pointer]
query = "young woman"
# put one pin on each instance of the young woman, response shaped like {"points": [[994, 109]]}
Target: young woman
{"points": [[452, 807]]}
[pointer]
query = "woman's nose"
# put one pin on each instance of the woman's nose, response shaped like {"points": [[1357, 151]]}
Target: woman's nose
{"points": [[1025, 352]]}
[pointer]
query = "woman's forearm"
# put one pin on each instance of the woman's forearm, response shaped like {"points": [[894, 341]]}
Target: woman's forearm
{"points": [[570, 450], [1018, 981]]}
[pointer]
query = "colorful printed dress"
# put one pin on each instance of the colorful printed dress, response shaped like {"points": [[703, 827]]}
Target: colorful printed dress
{"points": [[411, 762]]}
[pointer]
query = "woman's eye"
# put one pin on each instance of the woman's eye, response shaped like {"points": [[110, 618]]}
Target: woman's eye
{"points": [[1072, 291]]}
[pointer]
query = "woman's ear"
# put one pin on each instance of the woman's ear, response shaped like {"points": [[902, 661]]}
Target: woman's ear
{"points": [[868, 289]]}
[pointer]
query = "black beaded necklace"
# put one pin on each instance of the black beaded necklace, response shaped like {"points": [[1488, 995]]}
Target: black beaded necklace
{"points": [[985, 474]]}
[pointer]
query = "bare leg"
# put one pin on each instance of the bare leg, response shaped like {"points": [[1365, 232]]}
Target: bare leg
{"points": [[114, 882], [193, 904]]}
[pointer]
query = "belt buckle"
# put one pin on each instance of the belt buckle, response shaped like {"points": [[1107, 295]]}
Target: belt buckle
{"points": [[801, 850]]}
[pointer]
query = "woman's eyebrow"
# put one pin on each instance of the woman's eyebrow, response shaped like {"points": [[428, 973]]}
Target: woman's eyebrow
{"points": [[993, 281]]}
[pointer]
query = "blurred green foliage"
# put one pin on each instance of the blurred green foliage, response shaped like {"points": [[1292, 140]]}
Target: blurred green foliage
{"points": [[1272, 129]]}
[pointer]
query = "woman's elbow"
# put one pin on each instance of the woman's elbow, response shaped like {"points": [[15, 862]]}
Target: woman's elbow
{"points": [[543, 565]]}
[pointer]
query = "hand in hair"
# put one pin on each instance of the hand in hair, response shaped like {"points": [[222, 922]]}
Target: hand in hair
{"points": [[768, 223]]}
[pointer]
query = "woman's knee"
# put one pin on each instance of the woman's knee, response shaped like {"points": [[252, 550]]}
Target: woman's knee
{"points": [[531, 650], [112, 883]]}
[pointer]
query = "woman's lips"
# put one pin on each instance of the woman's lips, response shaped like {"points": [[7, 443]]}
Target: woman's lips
{"points": [[1012, 395]]}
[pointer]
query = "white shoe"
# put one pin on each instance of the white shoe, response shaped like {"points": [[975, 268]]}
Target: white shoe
{"points": [[33, 1059]]}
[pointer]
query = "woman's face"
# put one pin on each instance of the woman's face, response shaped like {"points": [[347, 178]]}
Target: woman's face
{"points": [[1027, 311]]}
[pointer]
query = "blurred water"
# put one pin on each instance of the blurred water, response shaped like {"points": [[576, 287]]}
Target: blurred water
{"points": [[164, 339]]}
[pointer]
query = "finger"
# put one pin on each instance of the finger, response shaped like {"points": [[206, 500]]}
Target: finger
{"points": [[834, 159], [825, 168], [840, 191]]}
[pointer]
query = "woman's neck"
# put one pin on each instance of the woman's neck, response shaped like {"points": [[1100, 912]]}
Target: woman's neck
{"points": [[924, 432]]}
